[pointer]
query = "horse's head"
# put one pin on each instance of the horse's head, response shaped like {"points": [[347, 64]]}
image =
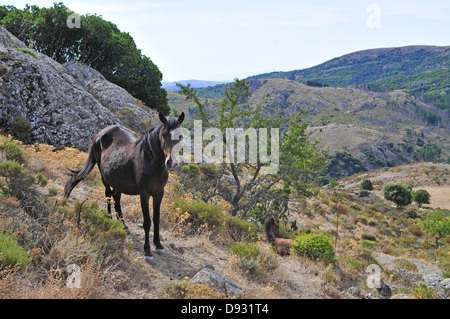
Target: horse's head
{"points": [[168, 138]]}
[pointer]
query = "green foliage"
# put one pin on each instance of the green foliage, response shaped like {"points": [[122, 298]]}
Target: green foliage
{"points": [[299, 158], [41, 179], [315, 246], [22, 128], [368, 237], [398, 193], [342, 164], [98, 43], [12, 150], [252, 259], [421, 196], [11, 253], [202, 214], [423, 292], [437, 224], [430, 151], [107, 233], [366, 184], [27, 51]]}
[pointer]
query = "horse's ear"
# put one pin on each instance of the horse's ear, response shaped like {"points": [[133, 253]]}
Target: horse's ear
{"points": [[181, 118], [162, 118]]}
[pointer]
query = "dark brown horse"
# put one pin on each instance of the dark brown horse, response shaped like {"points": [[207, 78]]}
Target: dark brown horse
{"points": [[134, 166]]}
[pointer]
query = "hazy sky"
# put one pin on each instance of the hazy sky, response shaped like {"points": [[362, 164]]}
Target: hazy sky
{"points": [[222, 40]]}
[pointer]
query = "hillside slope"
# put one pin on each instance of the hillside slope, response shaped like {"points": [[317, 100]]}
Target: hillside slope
{"points": [[378, 128], [371, 65], [371, 231]]}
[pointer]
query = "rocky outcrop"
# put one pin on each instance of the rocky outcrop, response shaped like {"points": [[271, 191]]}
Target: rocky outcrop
{"points": [[61, 106], [207, 275], [116, 99]]}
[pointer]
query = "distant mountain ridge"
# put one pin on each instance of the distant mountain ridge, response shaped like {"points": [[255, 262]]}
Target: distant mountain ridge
{"points": [[372, 65], [172, 86]]}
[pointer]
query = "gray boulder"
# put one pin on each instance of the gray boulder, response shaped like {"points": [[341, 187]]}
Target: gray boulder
{"points": [[218, 282], [116, 99]]}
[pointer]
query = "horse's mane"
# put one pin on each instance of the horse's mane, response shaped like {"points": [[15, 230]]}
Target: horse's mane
{"points": [[150, 139]]}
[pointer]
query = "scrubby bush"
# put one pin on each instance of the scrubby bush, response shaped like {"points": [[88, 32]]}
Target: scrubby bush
{"points": [[11, 253], [12, 150], [22, 128], [107, 231], [252, 259], [368, 237], [315, 246], [198, 214]]}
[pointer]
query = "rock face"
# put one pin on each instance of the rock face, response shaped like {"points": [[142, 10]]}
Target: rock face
{"points": [[116, 99], [64, 106]]}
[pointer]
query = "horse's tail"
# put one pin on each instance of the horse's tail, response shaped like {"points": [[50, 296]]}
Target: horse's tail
{"points": [[78, 175]]}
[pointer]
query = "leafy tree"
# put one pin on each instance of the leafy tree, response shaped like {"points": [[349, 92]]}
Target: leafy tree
{"points": [[421, 196], [398, 193], [98, 43], [366, 184], [243, 185], [437, 225]]}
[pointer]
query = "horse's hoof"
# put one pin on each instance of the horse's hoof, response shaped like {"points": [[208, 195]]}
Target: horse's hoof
{"points": [[160, 252], [149, 260]]}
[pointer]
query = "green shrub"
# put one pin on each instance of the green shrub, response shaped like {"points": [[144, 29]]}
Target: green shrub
{"points": [[41, 179], [12, 150], [369, 243], [22, 128], [201, 213], [106, 233], [368, 237], [252, 259], [52, 191], [20, 183], [423, 292], [315, 246], [366, 184], [11, 253]]}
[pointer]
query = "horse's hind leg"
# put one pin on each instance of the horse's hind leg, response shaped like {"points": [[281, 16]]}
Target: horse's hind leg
{"points": [[108, 195], [117, 195]]}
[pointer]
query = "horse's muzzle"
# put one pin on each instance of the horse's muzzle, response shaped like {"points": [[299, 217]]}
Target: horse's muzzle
{"points": [[171, 164]]}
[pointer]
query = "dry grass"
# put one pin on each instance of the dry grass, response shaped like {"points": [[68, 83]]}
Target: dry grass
{"points": [[52, 284]]}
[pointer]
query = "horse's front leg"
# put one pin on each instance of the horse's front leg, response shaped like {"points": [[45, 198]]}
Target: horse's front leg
{"points": [[156, 214], [147, 224]]}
